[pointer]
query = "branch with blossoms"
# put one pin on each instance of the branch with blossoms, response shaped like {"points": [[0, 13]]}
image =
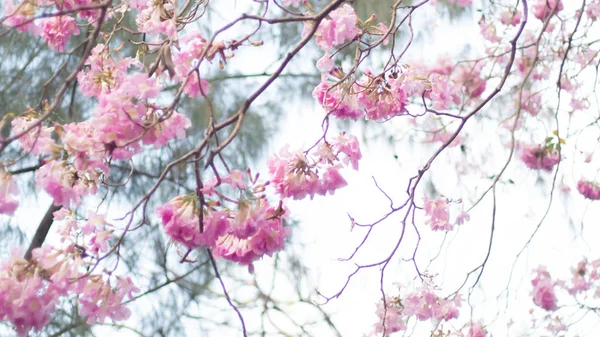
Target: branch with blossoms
{"points": [[239, 216]]}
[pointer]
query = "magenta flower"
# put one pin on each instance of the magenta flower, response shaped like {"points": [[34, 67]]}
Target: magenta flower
{"points": [[543, 290], [181, 223], [537, 157], [590, 190]]}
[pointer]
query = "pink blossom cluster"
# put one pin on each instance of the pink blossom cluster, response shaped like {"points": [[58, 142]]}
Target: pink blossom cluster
{"points": [[543, 290], [585, 276], [393, 314], [476, 330], [186, 58], [543, 8], [31, 289], [338, 100], [470, 77], [8, 191], [593, 10], [181, 221], [242, 234], [423, 304], [126, 114], [57, 30], [157, 17], [339, 27], [537, 157], [296, 175], [381, 99], [510, 17], [65, 183], [38, 140], [590, 190], [438, 212], [18, 15]]}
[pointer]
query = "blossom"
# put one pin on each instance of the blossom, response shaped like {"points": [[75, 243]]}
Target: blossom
{"points": [[425, 304], [537, 157], [37, 140], [590, 190], [268, 239], [295, 175], [180, 219], [438, 212], [338, 101], [542, 8], [511, 18], [476, 330], [543, 290], [393, 315], [57, 31], [8, 190], [593, 10], [65, 183], [443, 93], [382, 99], [341, 26], [325, 63]]}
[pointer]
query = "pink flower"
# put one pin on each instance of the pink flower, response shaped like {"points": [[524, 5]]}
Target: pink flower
{"points": [[394, 321], [348, 145], [593, 10], [543, 8], [341, 26], [57, 31], [8, 190], [476, 330], [543, 290], [381, 99], [439, 214], [38, 140], [537, 157], [269, 238], [424, 304], [338, 101], [181, 222], [590, 190], [511, 18], [443, 93], [65, 183], [325, 63]]}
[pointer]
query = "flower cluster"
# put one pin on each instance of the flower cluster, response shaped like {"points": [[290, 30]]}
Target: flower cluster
{"points": [[339, 27], [242, 234], [590, 190], [56, 31], [31, 289], [296, 175], [543, 290], [424, 304], [537, 157], [544, 8]]}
